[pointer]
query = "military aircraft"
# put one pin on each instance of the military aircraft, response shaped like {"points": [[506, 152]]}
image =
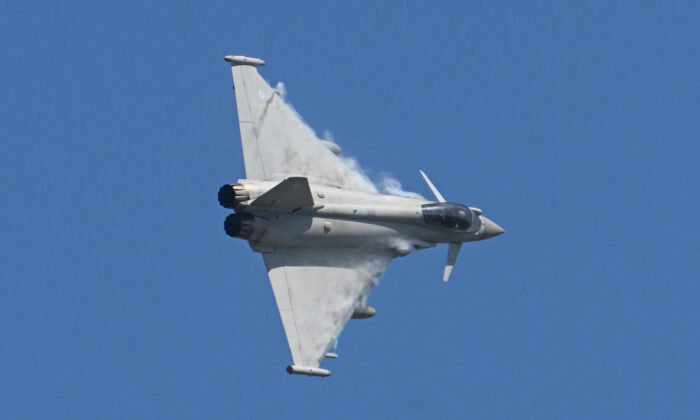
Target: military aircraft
{"points": [[325, 233]]}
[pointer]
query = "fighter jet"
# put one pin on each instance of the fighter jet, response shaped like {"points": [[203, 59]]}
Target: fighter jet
{"points": [[325, 233]]}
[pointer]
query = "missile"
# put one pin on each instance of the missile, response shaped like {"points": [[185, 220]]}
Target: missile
{"points": [[308, 371], [239, 60]]}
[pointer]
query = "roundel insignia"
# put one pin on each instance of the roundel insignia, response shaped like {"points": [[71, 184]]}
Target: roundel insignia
{"points": [[261, 94]]}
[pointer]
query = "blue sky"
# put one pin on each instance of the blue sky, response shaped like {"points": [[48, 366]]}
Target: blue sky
{"points": [[573, 125]]}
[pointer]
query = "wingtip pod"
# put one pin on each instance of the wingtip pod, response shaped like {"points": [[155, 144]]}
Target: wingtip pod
{"points": [[308, 371], [240, 60]]}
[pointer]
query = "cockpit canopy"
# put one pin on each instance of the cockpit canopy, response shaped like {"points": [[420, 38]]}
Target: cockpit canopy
{"points": [[449, 215]]}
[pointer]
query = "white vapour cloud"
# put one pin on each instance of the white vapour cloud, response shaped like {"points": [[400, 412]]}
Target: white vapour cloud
{"points": [[386, 183], [390, 185], [327, 135], [355, 166], [281, 90], [371, 268]]}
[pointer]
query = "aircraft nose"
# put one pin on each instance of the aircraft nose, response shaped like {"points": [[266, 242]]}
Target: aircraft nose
{"points": [[491, 229]]}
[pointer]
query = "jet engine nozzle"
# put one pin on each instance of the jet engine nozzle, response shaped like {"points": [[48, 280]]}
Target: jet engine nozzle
{"points": [[245, 226], [232, 194], [364, 311]]}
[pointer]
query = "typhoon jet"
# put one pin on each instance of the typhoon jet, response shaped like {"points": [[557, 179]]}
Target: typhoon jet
{"points": [[325, 233]]}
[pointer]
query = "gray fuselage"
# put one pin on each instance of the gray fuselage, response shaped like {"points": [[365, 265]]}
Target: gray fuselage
{"points": [[348, 218]]}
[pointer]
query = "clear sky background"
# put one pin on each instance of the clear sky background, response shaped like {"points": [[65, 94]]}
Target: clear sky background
{"points": [[574, 125]]}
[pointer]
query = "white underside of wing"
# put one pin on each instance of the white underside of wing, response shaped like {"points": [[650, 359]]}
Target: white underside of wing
{"points": [[277, 143], [316, 292]]}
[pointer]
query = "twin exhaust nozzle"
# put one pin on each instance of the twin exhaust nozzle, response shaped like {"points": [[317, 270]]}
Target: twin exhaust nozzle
{"points": [[232, 194]]}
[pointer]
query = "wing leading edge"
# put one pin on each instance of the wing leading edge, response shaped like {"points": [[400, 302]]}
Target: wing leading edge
{"points": [[316, 292], [276, 142]]}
